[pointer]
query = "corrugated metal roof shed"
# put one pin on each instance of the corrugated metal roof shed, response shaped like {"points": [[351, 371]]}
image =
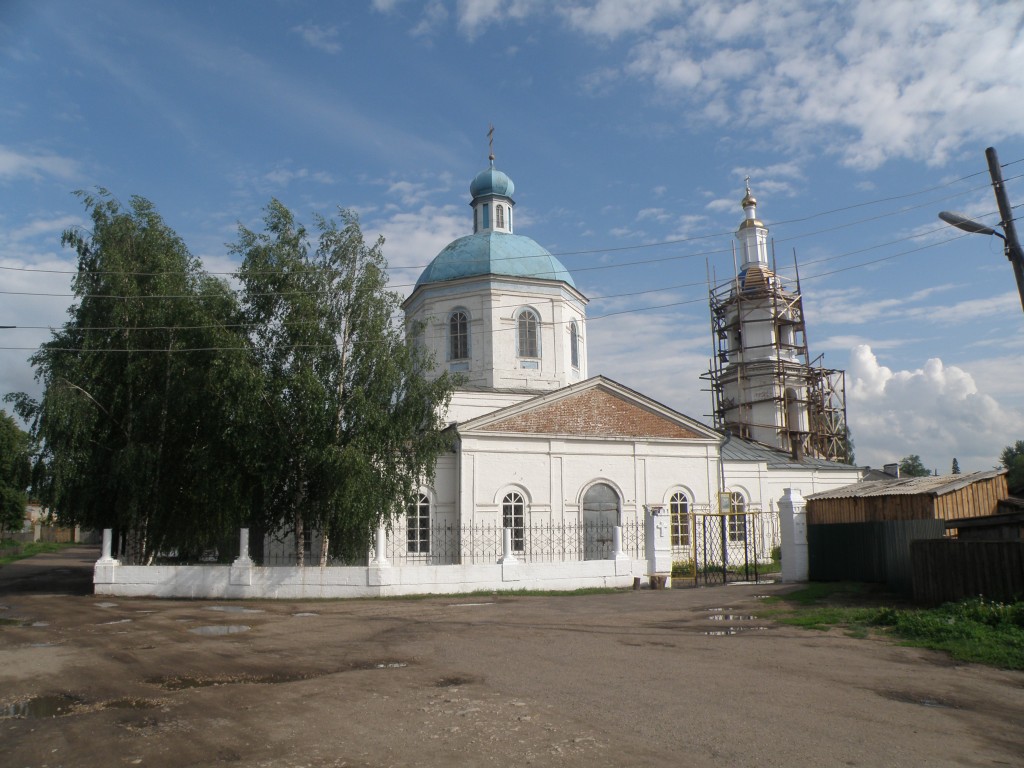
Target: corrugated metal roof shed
{"points": [[942, 497], [933, 485]]}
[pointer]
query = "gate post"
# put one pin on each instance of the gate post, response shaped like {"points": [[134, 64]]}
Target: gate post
{"points": [[380, 544], [657, 545], [507, 555], [793, 530]]}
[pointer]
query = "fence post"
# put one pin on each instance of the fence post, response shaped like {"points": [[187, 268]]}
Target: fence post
{"points": [[617, 553], [506, 548], [105, 569], [380, 555], [243, 548], [793, 530], [240, 574], [657, 545]]}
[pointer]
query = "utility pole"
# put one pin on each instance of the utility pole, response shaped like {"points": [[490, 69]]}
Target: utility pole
{"points": [[1013, 249]]}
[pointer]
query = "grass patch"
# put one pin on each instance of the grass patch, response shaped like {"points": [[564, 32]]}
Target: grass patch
{"points": [[11, 550], [979, 631]]}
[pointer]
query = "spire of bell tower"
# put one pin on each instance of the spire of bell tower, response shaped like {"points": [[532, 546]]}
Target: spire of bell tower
{"points": [[752, 233]]}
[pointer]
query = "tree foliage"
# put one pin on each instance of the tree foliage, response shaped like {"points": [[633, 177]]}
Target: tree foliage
{"points": [[956, 467], [348, 426], [15, 473], [144, 387], [176, 409], [1012, 458], [847, 447], [911, 466]]}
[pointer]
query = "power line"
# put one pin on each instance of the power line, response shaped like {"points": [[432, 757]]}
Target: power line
{"points": [[608, 249]]}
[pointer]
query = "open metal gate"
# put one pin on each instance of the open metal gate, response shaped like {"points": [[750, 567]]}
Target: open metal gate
{"points": [[733, 547]]}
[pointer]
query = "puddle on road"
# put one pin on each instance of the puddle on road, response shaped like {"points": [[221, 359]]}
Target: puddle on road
{"points": [[220, 629], [454, 681], [305, 613], [131, 704], [468, 605], [234, 609], [726, 631], [913, 698], [730, 617], [42, 707], [106, 605], [115, 621], [186, 683]]}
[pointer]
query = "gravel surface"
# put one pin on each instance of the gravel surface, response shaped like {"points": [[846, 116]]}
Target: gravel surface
{"points": [[678, 677]]}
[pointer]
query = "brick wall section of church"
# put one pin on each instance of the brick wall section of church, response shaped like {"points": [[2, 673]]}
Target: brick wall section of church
{"points": [[593, 413]]}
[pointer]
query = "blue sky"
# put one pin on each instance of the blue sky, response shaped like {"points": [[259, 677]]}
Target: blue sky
{"points": [[628, 127]]}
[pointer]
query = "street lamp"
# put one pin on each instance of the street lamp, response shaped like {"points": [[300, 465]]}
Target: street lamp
{"points": [[1012, 248]]}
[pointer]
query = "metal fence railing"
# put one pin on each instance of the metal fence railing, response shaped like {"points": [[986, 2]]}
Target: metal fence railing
{"points": [[449, 544]]}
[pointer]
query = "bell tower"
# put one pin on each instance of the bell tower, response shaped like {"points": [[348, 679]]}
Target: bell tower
{"points": [[763, 386]]}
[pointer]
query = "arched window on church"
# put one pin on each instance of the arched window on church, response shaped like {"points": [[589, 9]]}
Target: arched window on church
{"points": [[499, 216], [513, 515], [737, 520], [528, 328], [458, 335], [679, 515], [574, 345], [418, 526]]}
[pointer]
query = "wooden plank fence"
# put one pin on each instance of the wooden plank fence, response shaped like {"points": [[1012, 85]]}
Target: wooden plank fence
{"points": [[875, 551], [948, 570]]}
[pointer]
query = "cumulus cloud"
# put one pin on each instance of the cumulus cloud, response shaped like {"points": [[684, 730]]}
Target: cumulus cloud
{"points": [[474, 16], [935, 411], [413, 238], [612, 18], [872, 80]]}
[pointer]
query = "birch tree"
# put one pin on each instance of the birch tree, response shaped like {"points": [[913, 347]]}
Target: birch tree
{"points": [[348, 424], [144, 390]]}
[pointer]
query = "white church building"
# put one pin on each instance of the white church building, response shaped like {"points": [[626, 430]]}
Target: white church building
{"points": [[540, 445], [556, 479]]}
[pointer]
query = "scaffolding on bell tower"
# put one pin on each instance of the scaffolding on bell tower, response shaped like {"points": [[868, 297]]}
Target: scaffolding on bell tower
{"points": [[764, 386]]}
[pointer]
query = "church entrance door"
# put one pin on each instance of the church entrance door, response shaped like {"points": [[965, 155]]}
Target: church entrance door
{"points": [[600, 516]]}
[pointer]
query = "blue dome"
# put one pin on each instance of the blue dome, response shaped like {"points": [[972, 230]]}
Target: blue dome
{"points": [[492, 182], [494, 253]]}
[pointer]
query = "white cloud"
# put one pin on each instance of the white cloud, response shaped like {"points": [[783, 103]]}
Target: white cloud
{"points": [[935, 411], [474, 16], [871, 80], [38, 227], [434, 16], [322, 38], [36, 165], [612, 18], [661, 353], [413, 238]]}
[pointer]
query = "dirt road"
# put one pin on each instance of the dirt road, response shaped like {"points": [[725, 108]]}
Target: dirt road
{"points": [[677, 677]]}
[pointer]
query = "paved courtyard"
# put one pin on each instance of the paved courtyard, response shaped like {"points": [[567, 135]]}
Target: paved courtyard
{"points": [[680, 677]]}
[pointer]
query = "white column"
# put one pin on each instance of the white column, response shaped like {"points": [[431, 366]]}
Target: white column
{"points": [[506, 547], [380, 546], [105, 552], [617, 553], [793, 528], [104, 572], [243, 548]]}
